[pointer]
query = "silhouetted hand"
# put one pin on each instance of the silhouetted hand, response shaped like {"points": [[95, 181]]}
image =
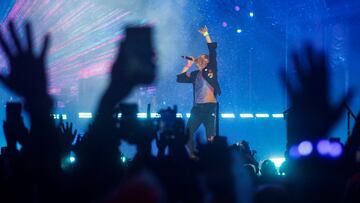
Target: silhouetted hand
{"points": [[355, 135], [161, 143], [312, 114], [14, 133], [68, 134], [27, 76], [215, 159], [353, 143]]}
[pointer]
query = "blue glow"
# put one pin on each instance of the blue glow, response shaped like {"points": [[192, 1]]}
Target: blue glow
{"points": [[335, 150], [277, 115], [294, 152], [305, 148], [72, 159], [141, 115], [155, 115], [246, 115], [323, 147], [262, 115], [85, 115], [227, 115], [123, 159], [277, 161]]}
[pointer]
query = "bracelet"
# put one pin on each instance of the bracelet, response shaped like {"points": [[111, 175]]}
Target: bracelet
{"points": [[206, 34]]}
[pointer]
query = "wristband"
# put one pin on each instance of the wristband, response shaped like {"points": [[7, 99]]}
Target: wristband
{"points": [[188, 65], [206, 34]]}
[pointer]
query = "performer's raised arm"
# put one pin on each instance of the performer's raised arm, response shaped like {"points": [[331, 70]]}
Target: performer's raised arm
{"points": [[212, 48], [205, 32]]}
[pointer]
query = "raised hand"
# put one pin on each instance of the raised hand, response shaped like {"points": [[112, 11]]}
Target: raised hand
{"points": [[134, 65], [68, 134], [27, 76], [353, 143], [312, 115], [203, 30], [161, 143], [15, 133]]}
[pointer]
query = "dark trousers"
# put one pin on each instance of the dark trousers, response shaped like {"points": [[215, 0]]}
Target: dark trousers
{"points": [[201, 114]]}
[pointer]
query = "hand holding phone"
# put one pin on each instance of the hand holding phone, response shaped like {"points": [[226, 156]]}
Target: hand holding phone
{"points": [[139, 55], [134, 64]]}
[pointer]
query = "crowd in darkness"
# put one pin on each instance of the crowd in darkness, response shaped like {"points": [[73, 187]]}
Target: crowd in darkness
{"points": [[218, 173]]}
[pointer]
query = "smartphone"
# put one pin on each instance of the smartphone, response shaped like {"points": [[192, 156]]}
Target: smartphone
{"points": [[357, 155], [168, 121], [128, 124], [3, 150], [13, 112], [140, 56], [128, 111]]}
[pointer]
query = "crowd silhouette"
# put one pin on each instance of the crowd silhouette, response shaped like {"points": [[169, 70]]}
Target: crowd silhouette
{"points": [[39, 171]]}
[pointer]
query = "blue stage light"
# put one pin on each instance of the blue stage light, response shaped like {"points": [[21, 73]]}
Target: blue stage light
{"points": [[251, 14], [277, 115], [227, 115], [294, 152], [246, 115], [277, 161], [262, 115], [155, 115], [141, 115], [239, 30], [123, 159], [85, 115], [335, 149], [305, 148], [323, 147], [72, 159]]}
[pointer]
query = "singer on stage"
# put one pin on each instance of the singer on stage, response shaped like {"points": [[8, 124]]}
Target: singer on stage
{"points": [[205, 89]]}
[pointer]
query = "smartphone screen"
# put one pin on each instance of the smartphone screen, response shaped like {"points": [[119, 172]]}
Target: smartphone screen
{"points": [[13, 112], [138, 47], [357, 155]]}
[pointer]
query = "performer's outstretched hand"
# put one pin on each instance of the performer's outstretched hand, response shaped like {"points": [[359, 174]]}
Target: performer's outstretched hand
{"points": [[204, 30]]}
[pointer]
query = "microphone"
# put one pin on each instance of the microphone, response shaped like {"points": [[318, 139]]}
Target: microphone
{"points": [[187, 57]]}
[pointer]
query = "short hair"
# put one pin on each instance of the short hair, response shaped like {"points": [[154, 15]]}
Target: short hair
{"points": [[206, 56]]}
